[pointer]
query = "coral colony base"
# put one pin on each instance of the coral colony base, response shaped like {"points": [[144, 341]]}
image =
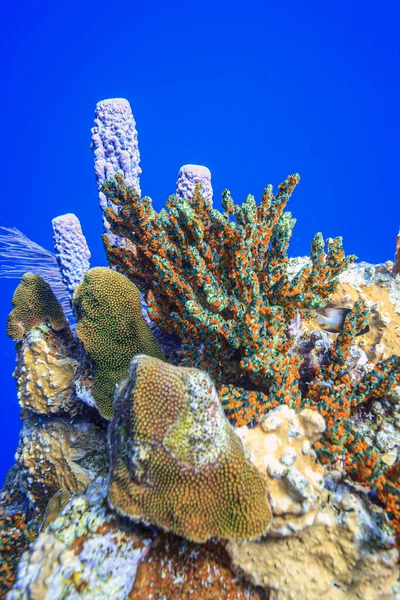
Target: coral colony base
{"points": [[188, 429]]}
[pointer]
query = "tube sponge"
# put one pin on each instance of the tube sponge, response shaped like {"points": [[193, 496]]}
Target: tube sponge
{"points": [[112, 330]]}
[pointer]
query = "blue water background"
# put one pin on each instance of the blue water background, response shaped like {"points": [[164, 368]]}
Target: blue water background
{"points": [[253, 90]]}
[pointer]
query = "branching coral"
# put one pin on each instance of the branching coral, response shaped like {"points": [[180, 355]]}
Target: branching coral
{"points": [[15, 536], [220, 282], [112, 329], [336, 391]]}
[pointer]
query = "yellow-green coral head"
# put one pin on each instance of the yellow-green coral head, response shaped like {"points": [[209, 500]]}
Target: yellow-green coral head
{"points": [[34, 304], [112, 330], [175, 459]]}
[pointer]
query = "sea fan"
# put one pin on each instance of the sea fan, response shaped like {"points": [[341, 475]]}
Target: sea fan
{"points": [[19, 254]]}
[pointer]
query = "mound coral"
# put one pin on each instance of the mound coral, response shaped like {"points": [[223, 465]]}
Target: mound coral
{"points": [[34, 303], [220, 282], [112, 329], [176, 461]]}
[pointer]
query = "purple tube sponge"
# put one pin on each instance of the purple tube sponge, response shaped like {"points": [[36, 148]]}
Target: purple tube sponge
{"points": [[115, 148], [189, 176], [72, 252]]}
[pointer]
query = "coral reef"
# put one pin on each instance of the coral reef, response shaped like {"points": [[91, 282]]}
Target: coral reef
{"points": [[85, 552], [18, 528], [207, 325], [34, 303], [222, 286], [112, 329], [175, 460], [175, 568], [61, 446], [15, 536], [71, 249]]}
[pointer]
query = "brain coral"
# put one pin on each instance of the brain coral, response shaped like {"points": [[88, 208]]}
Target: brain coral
{"points": [[34, 304], [112, 329], [175, 459]]}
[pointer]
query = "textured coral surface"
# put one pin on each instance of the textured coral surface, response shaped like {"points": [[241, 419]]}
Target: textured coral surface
{"points": [[176, 461], [34, 303], [112, 329]]}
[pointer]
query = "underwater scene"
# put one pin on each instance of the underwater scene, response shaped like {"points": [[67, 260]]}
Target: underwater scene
{"points": [[200, 301]]}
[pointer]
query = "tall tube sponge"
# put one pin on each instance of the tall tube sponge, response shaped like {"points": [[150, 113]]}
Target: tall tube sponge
{"points": [[115, 148]]}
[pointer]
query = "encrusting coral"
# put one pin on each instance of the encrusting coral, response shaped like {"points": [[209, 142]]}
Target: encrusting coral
{"points": [[55, 454], [175, 459], [34, 303], [112, 329], [45, 372]]}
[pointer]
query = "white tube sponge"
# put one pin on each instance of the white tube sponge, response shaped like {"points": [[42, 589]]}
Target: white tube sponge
{"points": [[72, 252], [115, 148], [189, 176]]}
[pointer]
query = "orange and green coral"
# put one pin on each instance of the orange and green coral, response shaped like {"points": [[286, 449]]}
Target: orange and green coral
{"points": [[34, 304], [112, 330], [15, 536], [337, 391], [220, 281], [176, 461]]}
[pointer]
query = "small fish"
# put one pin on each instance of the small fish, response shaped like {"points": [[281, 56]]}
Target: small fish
{"points": [[331, 319]]}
